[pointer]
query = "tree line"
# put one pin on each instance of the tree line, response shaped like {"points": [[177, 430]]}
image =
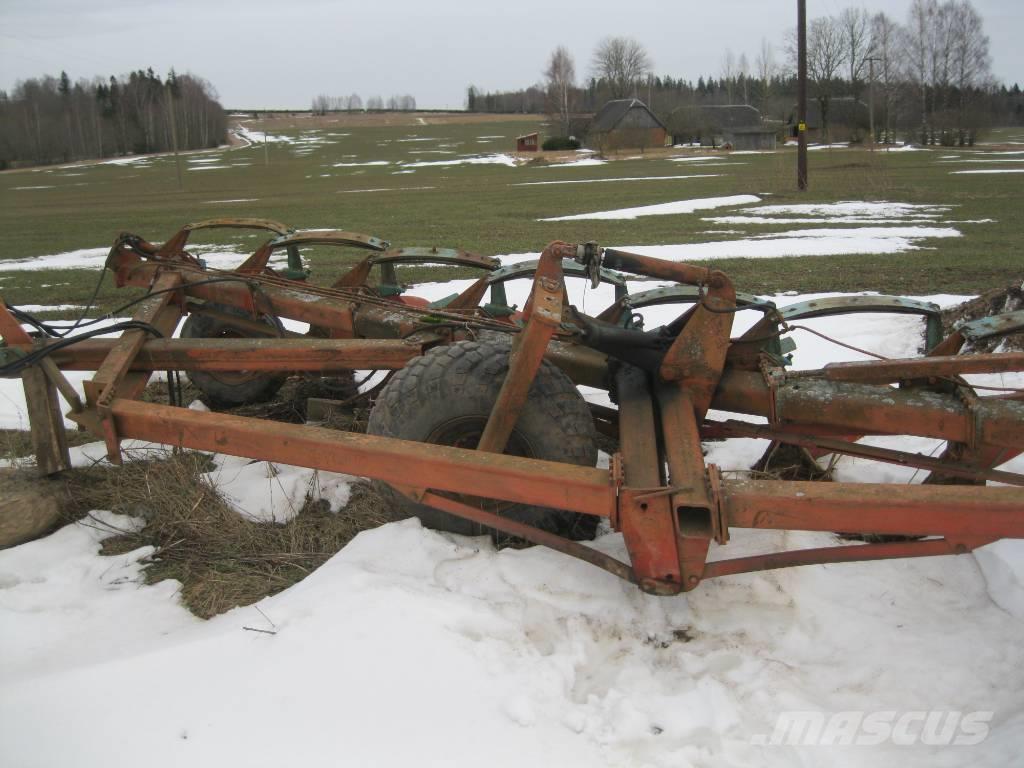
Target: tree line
{"points": [[323, 103], [928, 79], [52, 120]]}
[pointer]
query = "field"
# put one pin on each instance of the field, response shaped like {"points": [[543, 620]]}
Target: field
{"points": [[224, 598], [391, 180]]}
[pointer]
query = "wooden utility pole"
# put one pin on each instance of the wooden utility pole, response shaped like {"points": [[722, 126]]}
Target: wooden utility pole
{"points": [[801, 89]]}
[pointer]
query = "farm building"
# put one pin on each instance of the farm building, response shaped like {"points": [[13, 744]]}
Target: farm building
{"points": [[624, 123], [737, 126], [528, 143], [847, 120]]}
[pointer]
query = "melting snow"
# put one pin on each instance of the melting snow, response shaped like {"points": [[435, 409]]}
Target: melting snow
{"points": [[991, 170], [626, 178], [475, 160], [383, 653], [661, 209], [582, 162]]}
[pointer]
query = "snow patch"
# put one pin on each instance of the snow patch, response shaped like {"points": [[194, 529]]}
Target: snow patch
{"points": [[662, 209]]}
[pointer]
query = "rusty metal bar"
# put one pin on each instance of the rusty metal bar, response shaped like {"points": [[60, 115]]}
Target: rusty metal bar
{"points": [[648, 526], [305, 354], [841, 554], [870, 409], [912, 510], [887, 455], [489, 475], [532, 534], [884, 371], [115, 367], [691, 502], [543, 314]]}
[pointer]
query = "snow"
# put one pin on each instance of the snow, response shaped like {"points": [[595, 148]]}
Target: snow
{"points": [[624, 178], [381, 189], [48, 307], [368, 162], [662, 209], [411, 647], [39, 186], [582, 162], [845, 212], [508, 160], [236, 200], [267, 492], [991, 170], [216, 256]]}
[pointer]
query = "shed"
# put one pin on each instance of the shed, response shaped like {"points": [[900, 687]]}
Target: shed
{"points": [[624, 123], [529, 142], [714, 125], [750, 138]]}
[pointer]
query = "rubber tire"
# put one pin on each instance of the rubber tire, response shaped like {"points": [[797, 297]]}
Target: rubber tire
{"points": [[232, 389], [458, 384]]}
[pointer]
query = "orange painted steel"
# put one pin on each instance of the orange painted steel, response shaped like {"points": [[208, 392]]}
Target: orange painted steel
{"points": [[291, 354], [458, 470], [659, 492]]}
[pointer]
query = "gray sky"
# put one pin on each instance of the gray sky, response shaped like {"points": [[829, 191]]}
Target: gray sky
{"points": [[282, 53]]}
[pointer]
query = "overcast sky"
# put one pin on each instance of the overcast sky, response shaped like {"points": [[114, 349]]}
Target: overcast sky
{"points": [[265, 53]]}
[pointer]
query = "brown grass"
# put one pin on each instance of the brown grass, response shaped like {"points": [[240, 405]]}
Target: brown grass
{"points": [[221, 559]]}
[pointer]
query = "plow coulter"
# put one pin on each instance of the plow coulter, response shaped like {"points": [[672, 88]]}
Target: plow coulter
{"points": [[480, 425]]}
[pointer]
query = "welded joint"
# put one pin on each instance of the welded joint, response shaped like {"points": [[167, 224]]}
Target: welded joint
{"points": [[719, 519], [973, 415], [774, 377]]}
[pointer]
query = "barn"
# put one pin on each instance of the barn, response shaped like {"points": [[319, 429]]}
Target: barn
{"points": [[623, 123], [737, 126]]}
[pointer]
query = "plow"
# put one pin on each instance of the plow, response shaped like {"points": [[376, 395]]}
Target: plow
{"points": [[479, 425]]}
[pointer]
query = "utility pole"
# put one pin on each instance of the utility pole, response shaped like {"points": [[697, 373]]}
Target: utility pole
{"points": [[801, 102], [871, 98]]}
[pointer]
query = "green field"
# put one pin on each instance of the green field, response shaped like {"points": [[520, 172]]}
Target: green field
{"points": [[483, 208]]}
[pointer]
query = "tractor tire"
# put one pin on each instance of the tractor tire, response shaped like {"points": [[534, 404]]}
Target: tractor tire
{"points": [[231, 388], [445, 398]]}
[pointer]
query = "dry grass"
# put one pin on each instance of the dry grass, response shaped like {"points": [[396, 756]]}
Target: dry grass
{"points": [[221, 559]]}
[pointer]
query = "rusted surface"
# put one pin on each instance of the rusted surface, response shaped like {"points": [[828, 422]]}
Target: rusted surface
{"points": [[247, 354], [474, 473], [668, 504], [884, 371], [648, 523]]}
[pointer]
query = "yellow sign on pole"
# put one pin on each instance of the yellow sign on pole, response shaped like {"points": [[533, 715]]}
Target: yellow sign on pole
{"points": [[801, 127]]}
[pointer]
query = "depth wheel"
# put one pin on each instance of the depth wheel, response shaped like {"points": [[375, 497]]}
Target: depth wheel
{"points": [[445, 398]]}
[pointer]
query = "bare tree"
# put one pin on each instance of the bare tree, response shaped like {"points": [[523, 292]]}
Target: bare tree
{"points": [[353, 103], [560, 79], [885, 49], [825, 59], [970, 62], [621, 62], [375, 103], [727, 73], [766, 70], [743, 73], [854, 26]]}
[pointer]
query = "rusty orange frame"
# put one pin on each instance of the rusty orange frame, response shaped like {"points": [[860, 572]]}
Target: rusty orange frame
{"points": [[669, 505]]}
